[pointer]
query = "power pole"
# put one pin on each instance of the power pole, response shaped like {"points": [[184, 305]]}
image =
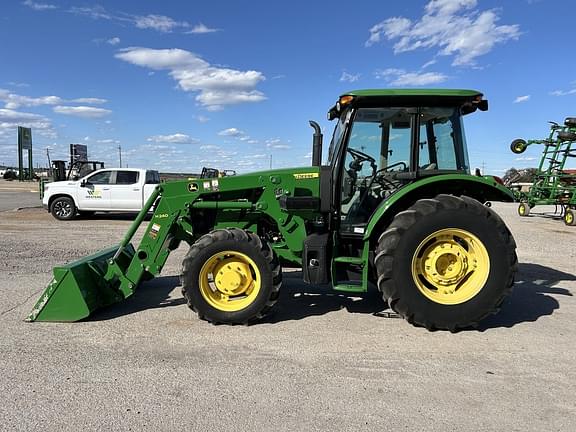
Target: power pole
{"points": [[483, 167], [120, 154], [270, 161], [49, 164]]}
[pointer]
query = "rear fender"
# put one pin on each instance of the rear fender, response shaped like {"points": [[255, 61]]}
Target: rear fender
{"points": [[482, 189]]}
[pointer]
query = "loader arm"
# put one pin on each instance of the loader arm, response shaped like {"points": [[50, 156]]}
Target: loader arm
{"points": [[183, 211]]}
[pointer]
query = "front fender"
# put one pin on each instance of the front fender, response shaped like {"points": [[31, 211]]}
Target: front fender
{"points": [[480, 188]]}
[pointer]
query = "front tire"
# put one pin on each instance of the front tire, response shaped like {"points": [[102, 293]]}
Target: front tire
{"points": [[446, 263], [63, 208], [231, 276]]}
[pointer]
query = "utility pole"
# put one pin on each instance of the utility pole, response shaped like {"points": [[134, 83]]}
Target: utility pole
{"points": [[270, 161], [120, 154], [49, 164], [483, 168]]}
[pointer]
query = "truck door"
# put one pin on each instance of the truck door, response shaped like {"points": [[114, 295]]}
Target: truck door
{"points": [[126, 191], [94, 191]]}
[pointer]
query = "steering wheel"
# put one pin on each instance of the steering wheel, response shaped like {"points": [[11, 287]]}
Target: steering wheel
{"points": [[360, 156]]}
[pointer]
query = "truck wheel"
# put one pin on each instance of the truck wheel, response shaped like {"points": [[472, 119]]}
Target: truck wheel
{"points": [[231, 276], [63, 208], [446, 263]]}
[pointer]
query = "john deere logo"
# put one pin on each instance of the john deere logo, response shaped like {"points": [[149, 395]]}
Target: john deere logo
{"points": [[192, 187], [306, 176]]}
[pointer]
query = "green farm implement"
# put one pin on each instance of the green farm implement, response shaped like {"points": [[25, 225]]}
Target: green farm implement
{"points": [[394, 207], [553, 185]]}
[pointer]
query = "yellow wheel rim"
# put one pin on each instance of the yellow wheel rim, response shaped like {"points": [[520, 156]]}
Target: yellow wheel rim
{"points": [[229, 281], [518, 148], [521, 210], [450, 266], [569, 218]]}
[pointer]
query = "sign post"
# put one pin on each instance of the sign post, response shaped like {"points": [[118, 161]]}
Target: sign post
{"points": [[25, 143]]}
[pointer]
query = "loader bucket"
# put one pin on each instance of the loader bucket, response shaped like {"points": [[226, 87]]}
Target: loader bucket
{"points": [[81, 287]]}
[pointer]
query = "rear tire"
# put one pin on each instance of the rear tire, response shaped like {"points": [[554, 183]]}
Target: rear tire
{"points": [[63, 208], [523, 209], [446, 263], [569, 217], [231, 276]]}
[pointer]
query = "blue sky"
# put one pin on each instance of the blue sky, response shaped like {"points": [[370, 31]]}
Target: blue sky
{"points": [[181, 85]]}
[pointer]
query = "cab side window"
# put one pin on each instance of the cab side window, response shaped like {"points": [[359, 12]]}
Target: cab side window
{"points": [[101, 178], [126, 177]]}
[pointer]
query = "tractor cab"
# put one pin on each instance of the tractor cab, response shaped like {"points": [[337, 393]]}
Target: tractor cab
{"points": [[384, 141]]}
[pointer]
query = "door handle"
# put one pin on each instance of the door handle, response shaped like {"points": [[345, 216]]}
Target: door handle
{"points": [[136, 189], [105, 188]]}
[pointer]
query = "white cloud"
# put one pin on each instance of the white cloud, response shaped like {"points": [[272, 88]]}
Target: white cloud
{"points": [[429, 63], [525, 158], [177, 138], [113, 41], [10, 120], [39, 6], [347, 77], [90, 101], [201, 118], [202, 29], [521, 99], [108, 141], [232, 132], [160, 23], [15, 101], [18, 84], [276, 143], [81, 111], [455, 27], [96, 12], [563, 92], [400, 77], [217, 86]]}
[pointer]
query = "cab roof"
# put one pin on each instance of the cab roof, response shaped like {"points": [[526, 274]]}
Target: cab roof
{"points": [[468, 100], [415, 92]]}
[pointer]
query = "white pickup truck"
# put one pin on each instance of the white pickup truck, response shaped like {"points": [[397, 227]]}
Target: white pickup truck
{"points": [[104, 190]]}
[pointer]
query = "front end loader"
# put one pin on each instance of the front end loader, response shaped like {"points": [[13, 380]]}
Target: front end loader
{"points": [[394, 208]]}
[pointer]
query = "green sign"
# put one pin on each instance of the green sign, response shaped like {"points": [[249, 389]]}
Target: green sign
{"points": [[25, 138]]}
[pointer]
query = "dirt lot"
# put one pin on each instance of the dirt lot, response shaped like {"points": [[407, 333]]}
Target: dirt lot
{"points": [[323, 361]]}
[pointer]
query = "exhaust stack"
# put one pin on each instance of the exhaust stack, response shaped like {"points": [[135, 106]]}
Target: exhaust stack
{"points": [[316, 144]]}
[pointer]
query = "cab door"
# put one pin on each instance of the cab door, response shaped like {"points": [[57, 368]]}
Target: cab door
{"points": [[93, 192], [126, 191]]}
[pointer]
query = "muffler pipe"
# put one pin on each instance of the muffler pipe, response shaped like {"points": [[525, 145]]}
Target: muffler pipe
{"points": [[316, 144]]}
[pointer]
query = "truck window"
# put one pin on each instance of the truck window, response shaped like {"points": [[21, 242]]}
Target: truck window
{"points": [[126, 177], [100, 178], [152, 177]]}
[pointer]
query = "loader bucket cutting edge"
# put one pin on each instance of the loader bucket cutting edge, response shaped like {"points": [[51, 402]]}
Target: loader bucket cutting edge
{"points": [[78, 289]]}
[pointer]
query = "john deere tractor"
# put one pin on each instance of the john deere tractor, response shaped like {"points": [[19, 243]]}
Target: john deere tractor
{"points": [[394, 208]]}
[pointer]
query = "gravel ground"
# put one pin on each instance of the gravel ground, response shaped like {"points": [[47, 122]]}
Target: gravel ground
{"points": [[323, 361]]}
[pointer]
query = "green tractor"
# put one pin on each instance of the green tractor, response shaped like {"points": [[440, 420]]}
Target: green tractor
{"points": [[395, 207]]}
